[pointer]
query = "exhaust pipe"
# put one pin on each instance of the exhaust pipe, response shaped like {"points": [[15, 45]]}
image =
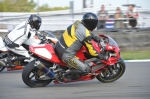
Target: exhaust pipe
{"points": [[2, 63], [46, 70]]}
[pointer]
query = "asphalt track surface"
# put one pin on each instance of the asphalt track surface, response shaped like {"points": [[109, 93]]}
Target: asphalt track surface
{"points": [[134, 84]]}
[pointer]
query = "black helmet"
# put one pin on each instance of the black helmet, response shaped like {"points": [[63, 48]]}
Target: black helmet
{"points": [[35, 21], [90, 21]]}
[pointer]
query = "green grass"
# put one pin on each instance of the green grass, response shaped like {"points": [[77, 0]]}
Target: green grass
{"points": [[135, 55]]}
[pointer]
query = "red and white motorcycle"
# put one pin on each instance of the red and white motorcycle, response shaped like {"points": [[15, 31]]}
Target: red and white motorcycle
{"points": [[40, 72]]}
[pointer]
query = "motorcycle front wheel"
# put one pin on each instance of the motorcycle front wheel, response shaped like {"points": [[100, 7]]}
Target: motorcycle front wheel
{"points": [[113, 73], [2, 68], [30, 76]]}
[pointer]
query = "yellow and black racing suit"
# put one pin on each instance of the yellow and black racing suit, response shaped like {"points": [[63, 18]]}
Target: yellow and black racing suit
{"points": [[71, 41]]}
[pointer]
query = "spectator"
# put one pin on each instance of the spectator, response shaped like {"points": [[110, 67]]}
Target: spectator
{"points": [[133, 14], [102, 16], [118, 15]]}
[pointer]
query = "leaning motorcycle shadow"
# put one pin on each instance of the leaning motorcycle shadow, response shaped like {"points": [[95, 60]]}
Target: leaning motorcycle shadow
{"points": [[79, 84], [69, 84], [76, 84], [87, 83]]}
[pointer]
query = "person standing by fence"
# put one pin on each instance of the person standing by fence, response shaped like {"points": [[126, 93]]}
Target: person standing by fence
{"points": [[102, 17], [118, 15], [133, 15]]}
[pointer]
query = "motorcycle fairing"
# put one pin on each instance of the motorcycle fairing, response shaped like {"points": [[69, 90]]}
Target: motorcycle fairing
{"points": [[83, 50], [46, 51], [90, 76], [112, 59], [2, 46]]}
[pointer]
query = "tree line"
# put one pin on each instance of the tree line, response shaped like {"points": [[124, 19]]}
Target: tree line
{"points": [[25, 6]]}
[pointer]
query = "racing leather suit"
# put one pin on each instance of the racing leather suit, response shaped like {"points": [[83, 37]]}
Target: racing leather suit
{"points": [[22, 34], [71, 41]]}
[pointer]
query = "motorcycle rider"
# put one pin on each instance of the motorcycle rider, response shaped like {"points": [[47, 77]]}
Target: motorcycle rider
{"points": [[77, 35], [20, 35]]}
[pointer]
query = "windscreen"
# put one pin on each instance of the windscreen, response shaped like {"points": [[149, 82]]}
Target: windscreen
{"points": [[112, 42], [50, 34]]}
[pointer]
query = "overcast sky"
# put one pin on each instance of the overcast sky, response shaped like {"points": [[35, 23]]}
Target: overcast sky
{"points": [[78, 3]]}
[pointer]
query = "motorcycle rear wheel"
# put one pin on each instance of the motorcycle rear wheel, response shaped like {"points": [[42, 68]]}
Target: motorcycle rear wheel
{"points": [[28, 79], [107, 77]]}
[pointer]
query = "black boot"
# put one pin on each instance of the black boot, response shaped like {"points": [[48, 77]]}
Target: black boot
{"points": [[66, 75]]}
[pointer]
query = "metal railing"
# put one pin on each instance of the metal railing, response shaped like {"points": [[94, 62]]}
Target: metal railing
{"points": [[65, 23], [63, 19]]}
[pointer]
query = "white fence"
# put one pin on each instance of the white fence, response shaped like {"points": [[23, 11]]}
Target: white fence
{"points": [[59, 20]]}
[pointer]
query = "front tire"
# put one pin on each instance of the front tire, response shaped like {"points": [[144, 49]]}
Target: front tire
{"points": [[28, 79], [107, 76], [2, 68]]}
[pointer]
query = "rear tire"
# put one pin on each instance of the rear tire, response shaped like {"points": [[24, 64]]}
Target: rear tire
{"points": [[106, 78], [30, 68]]}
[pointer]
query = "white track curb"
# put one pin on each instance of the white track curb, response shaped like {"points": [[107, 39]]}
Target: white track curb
{"points": [[145, 60]]}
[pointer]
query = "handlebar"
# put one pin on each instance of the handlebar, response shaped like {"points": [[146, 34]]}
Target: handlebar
{"points": [[43, 38]]}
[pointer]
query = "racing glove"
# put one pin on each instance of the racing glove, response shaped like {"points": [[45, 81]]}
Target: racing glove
{"points": [[96, 38]]}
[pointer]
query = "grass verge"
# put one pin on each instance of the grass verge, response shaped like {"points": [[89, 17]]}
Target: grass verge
{"points": [[135, 55]]}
